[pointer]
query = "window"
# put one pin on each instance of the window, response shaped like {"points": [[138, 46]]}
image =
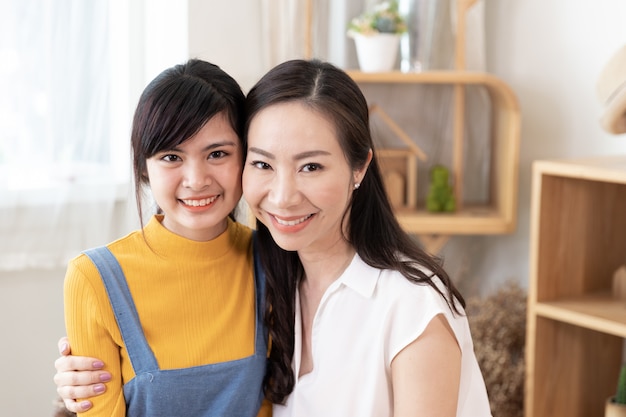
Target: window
{"points": [[56, 110], [63, 127], [71, 72]]}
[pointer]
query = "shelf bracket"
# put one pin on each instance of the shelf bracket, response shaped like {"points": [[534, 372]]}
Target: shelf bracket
{"points": [[433, 243]]}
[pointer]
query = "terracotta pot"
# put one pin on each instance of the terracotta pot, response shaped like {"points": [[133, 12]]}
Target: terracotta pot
{"points": [[612, 409]]}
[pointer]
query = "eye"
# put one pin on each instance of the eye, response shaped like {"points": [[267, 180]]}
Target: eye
{"points": [[311, 167], [260, 165], [170, 158], [217, 154]]}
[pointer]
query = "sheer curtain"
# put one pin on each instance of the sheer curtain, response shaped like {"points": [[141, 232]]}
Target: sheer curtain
{"points": [[286, 31], [71, 72], [65, 108]]}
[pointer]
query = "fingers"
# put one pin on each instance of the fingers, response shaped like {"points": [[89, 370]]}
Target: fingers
{"points": [[77, 363], [74, 384], [77, 406], [70, 393], [78, 377], [64, 346], [81, 379]]}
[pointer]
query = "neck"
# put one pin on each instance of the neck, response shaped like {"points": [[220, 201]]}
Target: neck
{"points": [[323, 268]]}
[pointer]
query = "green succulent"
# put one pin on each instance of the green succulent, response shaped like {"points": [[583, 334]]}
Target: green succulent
{"points": [[620, 395], [384, 18]]}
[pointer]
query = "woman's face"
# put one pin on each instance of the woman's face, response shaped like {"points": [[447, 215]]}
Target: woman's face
{"points": [[296, 178], [198, 183]]}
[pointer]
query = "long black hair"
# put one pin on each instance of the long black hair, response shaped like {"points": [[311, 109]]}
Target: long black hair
{"points": [[175, 106], [372, 228]]}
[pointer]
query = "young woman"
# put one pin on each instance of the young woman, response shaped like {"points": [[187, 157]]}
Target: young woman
{"points": [[362, 321], [175, 310]]}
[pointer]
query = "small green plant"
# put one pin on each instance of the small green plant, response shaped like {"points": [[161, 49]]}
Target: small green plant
{"points": [[440, 196], [384, 18], [620, 395]]}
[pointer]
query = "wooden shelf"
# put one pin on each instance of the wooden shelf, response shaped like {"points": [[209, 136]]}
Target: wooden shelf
{"points": [[575, 327], [497, 216], [479, 220], [599, 312]]}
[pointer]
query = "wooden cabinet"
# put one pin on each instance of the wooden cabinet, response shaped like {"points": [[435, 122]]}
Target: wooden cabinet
{"points": [[498, 215], [575, 326]]}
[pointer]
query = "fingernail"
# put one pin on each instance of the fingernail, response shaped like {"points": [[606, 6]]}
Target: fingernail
{"points": [[98, 364], [85, 405], [106, 377], [64, 348], [98, 388]]}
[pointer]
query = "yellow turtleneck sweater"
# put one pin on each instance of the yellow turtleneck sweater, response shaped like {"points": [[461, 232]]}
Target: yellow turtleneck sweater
{"points": [[195, 300]]}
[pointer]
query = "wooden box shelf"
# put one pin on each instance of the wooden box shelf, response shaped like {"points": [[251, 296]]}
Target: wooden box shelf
{"points": [[575, 327], [498, 215]]}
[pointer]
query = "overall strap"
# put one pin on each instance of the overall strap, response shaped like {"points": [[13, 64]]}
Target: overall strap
{"points": [[259, 281], [141, 356]]}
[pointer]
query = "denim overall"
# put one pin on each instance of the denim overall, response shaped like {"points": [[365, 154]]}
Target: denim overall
{"points": [[215, 390]]}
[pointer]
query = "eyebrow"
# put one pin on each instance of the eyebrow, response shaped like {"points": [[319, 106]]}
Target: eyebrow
{"points": [[299, 156], [208, 147]]}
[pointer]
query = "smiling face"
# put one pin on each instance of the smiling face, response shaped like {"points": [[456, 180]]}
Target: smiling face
{"points": [[296, 178], [198, 183]]}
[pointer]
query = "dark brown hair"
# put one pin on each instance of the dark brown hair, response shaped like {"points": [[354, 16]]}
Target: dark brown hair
{"points": [[372, 227], [175, 106]]}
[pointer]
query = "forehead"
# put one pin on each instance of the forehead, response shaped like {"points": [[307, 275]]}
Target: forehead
{"points": [[292, 123]]}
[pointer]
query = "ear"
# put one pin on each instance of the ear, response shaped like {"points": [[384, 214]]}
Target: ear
{"points": [[359, 173]]}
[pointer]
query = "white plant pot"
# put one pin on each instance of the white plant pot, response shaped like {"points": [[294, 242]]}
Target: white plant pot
{"points": [[377, 53], [613, 409]]}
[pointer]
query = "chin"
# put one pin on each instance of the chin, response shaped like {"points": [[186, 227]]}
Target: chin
{"points": [[285, 243]]}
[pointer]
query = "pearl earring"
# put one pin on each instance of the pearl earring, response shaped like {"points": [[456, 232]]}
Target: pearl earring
{"points": [[357, 185]]}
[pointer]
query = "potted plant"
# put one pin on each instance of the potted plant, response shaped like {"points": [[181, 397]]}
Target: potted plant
{"points": [[616, 405], [377, 36]]}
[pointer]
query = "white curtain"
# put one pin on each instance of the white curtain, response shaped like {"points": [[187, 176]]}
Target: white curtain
{"points": [[63, 167]]}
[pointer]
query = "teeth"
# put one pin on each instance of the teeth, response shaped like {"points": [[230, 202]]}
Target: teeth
{"points": [[199, 203], [292, 222]]}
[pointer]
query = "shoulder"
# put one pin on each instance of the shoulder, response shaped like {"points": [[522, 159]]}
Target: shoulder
{"points": [[410, 307], [81, 267], [395, 285], [82, 281]]}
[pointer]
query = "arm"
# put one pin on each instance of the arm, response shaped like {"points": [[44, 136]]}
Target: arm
{"points": [[90, 326], [426, 374], [266, 409], [78, 377]]}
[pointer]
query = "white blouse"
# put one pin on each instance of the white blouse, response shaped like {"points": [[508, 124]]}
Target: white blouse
{"points": [[364, 319]]}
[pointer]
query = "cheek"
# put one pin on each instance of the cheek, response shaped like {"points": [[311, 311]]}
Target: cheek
{"points": [[250, 188], [152, 176], [335, 196]]}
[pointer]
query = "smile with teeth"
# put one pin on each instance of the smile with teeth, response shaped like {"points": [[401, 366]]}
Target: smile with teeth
{"points": [[292, 222], [199, 203]]}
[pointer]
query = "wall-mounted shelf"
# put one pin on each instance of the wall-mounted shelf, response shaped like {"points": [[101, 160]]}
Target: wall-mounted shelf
{"points": [[498, 215]]}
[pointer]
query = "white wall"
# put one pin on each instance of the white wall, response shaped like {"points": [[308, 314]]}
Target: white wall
{"points": [[31, 322], [549, 52], [226, 33]]}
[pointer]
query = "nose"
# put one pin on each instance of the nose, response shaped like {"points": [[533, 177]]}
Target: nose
{"points": [[284, 191], [196, 175]]}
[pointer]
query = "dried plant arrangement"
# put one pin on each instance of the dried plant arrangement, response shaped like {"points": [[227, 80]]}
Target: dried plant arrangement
{"points": [[60, 410], [498, 324]]}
